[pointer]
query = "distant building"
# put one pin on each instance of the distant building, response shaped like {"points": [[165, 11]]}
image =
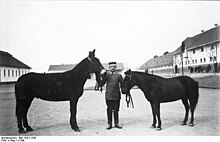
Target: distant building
{"points": [[200, 53], [11, 68], [60, 68], [66, 67], [159, 64], [119, 69]]}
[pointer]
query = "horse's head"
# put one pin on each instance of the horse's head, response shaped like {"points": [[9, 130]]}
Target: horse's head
{"points": [[128, 82], [96, 66]]}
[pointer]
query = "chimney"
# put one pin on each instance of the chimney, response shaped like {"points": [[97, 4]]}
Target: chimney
{"points": [[202, 31], [216, 25], [155, 56], [165, 53]]}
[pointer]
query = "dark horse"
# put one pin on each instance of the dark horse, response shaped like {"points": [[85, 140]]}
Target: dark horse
{"points": [[55, 87], [161, 90]]}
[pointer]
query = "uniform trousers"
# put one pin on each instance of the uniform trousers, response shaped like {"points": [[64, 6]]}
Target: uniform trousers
{"points": [[112, 106]]}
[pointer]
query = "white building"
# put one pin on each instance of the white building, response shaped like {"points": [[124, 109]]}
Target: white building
{"points": [[200, 53], [66, 67], [159, 65], [11, 68]]}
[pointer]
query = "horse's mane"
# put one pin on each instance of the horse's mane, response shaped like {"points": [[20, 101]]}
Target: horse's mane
{"points": [[78, 68], [146, 74]]}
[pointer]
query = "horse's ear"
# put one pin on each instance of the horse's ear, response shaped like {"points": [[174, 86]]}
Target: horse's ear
{"points": [[128, 72], [92, 54]]}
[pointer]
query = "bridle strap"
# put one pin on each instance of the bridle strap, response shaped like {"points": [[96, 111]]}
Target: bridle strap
{"points": [[90, 60], [129, 100]]}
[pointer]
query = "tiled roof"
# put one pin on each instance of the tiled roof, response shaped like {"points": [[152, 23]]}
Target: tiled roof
{"points": [[7, 60], [63, 67], [210, 36], [165, 60], [207, 37]]}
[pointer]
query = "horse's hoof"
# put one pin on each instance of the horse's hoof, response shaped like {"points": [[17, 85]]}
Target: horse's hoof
{"points": [[29, 129], [76, 129], [158, 129], [21, 131], [191, 124], [152, 126], [183, 123]]}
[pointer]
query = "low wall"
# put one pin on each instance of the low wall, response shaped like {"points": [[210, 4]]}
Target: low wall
{"points": [[207, 68]]}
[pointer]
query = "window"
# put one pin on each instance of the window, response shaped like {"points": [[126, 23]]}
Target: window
{"points": [[4, 73], [16, 73], [210, 59], [8, 73], [202, 49], [204, 60], [195, 61], [12, 73], [194, 51], [200, 60], [213, 47]]}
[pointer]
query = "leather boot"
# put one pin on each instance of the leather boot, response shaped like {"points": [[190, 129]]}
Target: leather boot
{"points": [[116, 120], [109, 116]]}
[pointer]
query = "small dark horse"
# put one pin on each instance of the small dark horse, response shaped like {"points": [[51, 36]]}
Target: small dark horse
{"points": [[161, 90], [55, 87]]}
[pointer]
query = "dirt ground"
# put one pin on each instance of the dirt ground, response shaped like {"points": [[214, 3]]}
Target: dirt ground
{"points": [[52, 118]]}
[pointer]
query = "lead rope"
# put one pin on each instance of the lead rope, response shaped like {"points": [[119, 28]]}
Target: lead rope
{"points": [[97, 88], [129, 100]]}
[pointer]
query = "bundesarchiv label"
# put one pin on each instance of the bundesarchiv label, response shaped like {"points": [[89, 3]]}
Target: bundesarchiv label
{"points": [[16, 138]]}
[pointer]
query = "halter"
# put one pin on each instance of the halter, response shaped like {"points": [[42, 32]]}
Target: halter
{"points": [[129, 76], [90, 60], [97, 88]]}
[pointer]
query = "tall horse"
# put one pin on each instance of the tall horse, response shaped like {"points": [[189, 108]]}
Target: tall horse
{"points": [[55, 87], [161, 90]]}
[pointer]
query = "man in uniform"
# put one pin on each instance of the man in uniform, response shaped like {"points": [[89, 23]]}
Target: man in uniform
{"points": [[112, 94]]}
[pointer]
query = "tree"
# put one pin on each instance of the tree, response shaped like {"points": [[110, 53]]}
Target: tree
{"points": [[212, 54]]}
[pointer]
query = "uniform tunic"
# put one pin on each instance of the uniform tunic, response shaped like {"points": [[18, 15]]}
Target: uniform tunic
{"points": [[112, 88]]}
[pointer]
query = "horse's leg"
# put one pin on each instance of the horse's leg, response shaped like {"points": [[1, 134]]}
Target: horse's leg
{"points": [[73, 111], [19, 108], [192, 108], [25, 121], [186, 105], [157, 112], [154, 117]]}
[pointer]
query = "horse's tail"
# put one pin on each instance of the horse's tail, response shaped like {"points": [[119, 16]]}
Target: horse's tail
{"points": [[195, 96]]}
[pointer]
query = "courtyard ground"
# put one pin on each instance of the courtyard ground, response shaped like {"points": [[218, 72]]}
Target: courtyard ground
{"points": [[52, 118]]}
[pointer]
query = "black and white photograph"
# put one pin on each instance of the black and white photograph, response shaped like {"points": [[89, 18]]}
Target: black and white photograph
{"points": [[109, 68]]}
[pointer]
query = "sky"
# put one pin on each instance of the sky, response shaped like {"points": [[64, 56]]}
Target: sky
{"points": [[44, 33]]}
